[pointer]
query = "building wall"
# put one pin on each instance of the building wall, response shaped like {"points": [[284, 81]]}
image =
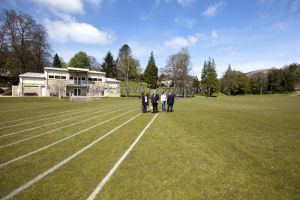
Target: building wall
{"points": [[55, 86]]}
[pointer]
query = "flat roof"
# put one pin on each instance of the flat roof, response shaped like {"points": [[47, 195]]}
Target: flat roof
{"points": [[31, 74], [74, 69]]}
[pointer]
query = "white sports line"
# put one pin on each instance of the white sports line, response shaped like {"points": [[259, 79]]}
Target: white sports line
{"points": [[16, 120], [47, 132], [115, 167], [60, 164], [59, 141], [32, 107], [46, 119]]}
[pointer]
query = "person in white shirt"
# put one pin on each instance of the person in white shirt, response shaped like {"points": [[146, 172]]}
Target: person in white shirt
{"points": [[163, 102]]}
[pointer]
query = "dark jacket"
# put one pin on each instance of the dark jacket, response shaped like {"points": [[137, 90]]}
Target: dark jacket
{"points": [[171, 99], [154, 98]]}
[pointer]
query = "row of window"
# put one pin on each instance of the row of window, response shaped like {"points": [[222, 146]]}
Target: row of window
{"points": [[72, 78], [57, 77]]}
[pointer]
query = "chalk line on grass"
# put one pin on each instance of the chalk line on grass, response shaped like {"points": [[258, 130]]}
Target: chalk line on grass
{"points": [[60, 164], [59, 141], [17, 109], [119, 162], [24, 123], [16, 120], [47, 132]]}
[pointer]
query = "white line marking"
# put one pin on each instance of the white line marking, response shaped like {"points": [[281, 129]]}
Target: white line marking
{"points": [[60, 164], [115, 167], [48, 114], [42, 120], [33, 107], [59, 141], [41, 134], [29, 129], [16, 120]]}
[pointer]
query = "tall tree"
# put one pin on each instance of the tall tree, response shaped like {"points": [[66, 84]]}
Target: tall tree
{"points": [[81, 60], [151, 71], [94, 64], [209, 78], [178, 68], [23, 42], [124, 65], [109, 66], [228, 82], [56, 61]]}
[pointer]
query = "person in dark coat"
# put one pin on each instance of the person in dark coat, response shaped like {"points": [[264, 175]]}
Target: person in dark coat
{"points": [[144, 103], [154, 101], [170, 102]]}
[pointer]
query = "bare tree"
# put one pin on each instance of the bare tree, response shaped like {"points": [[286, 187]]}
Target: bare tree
{"points": [[178, 69], [124, 64], [25, 42], [58, 87]]}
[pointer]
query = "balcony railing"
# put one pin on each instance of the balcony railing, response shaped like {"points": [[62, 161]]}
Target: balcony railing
{"points": [[78, 82]]}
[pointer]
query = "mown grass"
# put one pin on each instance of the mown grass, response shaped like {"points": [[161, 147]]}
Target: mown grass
{"points": [[243, 147]]}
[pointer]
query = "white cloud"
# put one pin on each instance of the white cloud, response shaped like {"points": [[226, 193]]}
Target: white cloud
{"points": [[212, 10], [66, 6], [189, 23], [214, 35], [65, 31], [180, 41], [185, 3], [295, 6], [144, 17]]}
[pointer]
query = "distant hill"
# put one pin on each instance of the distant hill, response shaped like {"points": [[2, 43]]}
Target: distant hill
{"points": [[265, 71]]}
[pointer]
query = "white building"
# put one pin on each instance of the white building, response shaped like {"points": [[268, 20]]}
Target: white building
{"points": [[66, 82]]}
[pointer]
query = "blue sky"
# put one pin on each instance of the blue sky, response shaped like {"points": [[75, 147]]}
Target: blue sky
{"points": [[249, 34]]}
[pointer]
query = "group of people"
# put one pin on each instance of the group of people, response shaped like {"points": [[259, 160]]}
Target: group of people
{"points": [[166, 100]]}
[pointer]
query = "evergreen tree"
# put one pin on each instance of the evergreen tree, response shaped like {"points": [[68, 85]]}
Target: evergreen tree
{"points": [[109, 66], [80, 59], [56, 61], [209, 78], [151, 71], [196, 84]]}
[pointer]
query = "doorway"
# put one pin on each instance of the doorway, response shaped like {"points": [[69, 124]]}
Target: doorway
{"points": [[77, 92]]}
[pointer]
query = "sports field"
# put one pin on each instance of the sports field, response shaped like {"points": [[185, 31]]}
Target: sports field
{"points": [[244, 147]]}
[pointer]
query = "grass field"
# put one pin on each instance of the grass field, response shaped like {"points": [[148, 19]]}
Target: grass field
{"points": [[245, 147]]}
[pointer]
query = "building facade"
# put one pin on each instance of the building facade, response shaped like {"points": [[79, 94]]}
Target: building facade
{"points": [[66, 82]]}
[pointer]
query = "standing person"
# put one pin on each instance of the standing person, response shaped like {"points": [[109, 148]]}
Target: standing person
{"points": [[157, 100], [163, 102], [144, 103], [171, 101], [154, 101]]}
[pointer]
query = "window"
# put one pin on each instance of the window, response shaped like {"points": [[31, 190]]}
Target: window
{"points": [[83, 78], [90, 79], [63, 77], [99, 79], [94, 79], [57, 77], [51, 76], [71, 78]]}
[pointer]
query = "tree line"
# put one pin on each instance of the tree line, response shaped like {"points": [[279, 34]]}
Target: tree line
{"points": [[24, 48], [261, 82]]}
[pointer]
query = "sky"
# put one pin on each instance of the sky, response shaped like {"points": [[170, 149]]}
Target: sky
{"points": [[247, 34]]}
